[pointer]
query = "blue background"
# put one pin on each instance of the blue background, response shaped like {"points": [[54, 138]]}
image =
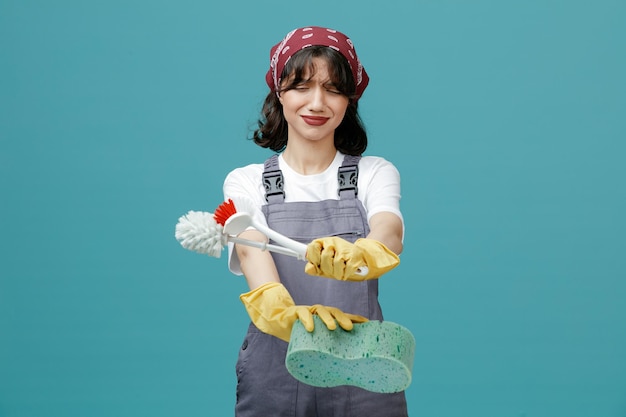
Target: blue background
{"points": [[507, 120]]}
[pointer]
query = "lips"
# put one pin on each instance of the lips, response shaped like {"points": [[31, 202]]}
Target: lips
{"points": [[315, 120]]}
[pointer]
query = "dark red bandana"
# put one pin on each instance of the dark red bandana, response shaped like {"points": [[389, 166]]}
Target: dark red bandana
{"points": [[309, 36]]}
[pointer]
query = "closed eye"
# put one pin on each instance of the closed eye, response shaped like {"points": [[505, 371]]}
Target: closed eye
{"points": [[331, 88]]}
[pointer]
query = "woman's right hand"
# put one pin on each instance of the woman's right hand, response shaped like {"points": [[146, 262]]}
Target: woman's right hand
{"points": [[273, 311]]}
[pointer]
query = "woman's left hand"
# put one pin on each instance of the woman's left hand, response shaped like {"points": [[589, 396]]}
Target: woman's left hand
{"points": [[334, 257]]}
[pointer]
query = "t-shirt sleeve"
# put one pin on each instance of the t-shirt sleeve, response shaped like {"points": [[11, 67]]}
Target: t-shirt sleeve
{"points": [[244, 183], [381, 183]]}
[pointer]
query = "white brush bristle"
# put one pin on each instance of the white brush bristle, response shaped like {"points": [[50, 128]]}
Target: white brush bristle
{"points": [[199, 232]]}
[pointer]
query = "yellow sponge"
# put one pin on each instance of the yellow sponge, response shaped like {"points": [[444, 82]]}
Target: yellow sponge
{"points": [[376, 356]]}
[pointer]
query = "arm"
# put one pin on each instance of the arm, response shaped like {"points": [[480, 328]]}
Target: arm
{"points": [[268, 302], [257, 265], [333, 257], [387, 228]]}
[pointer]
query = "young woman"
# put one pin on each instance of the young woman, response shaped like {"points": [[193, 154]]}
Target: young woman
{"points": [[319, 190]]}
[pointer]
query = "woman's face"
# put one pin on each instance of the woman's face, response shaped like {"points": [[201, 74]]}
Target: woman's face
{"points": [[314, 108]]}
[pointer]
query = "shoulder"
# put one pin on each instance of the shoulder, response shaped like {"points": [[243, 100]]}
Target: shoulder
{"points": [[245, 181], [375, 161], [252, 171], [373, 165]]}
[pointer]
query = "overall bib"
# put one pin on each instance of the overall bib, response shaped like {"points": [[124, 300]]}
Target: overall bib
{"points": [[264, 387]]}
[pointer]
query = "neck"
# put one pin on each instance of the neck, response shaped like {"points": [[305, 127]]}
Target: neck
{"points": [[309, 161]]}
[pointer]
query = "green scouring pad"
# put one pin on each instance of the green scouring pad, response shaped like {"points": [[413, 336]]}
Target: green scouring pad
{"points": [[376, 356]]}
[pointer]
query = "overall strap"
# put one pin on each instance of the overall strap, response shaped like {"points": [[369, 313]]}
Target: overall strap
{"points": [[348, 177], [273, 181]]}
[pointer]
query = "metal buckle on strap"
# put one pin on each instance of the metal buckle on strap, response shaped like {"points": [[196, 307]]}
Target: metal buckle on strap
{"points": [[348, 177], [273, 183]]}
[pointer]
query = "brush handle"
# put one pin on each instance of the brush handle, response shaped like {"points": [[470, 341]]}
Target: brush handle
{"points": [[299, 248], [263, 246]]}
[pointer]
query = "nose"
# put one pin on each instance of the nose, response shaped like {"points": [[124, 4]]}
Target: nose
{"points": [[318, 99]]}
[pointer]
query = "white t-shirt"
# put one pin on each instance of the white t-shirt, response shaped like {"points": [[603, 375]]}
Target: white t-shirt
{"points": [[378, 188]]}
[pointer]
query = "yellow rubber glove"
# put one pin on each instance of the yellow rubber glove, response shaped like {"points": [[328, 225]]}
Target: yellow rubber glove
{"points": [[273, 311], [334, 257]]}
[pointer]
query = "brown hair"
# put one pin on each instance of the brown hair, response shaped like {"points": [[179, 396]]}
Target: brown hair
{"points": [[350, 135]]}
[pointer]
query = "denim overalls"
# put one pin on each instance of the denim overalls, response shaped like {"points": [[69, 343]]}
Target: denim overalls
{"points": [[264, 387]]}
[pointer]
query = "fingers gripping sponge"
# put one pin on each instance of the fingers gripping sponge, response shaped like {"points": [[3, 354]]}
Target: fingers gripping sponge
{"points": [[376, 356]]}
